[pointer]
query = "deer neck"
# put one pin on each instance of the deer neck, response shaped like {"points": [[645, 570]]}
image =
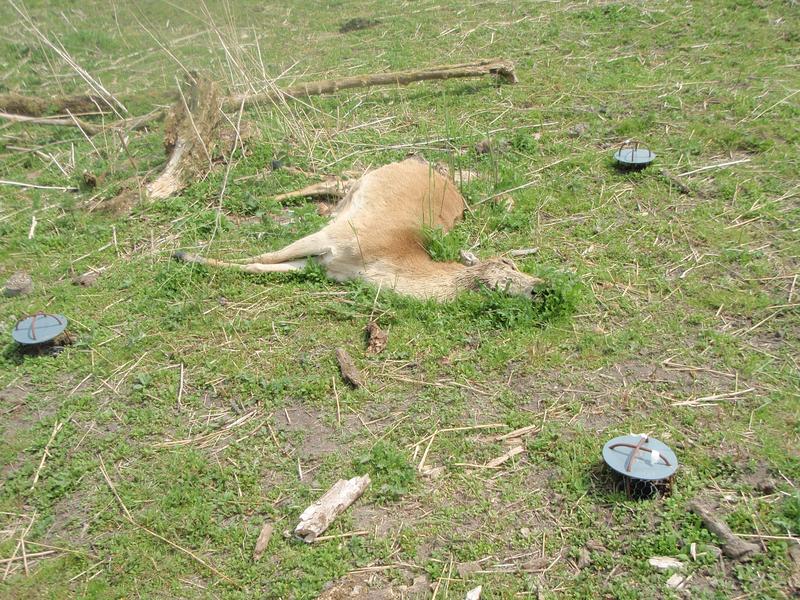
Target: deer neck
{"points": [[440, 281]]}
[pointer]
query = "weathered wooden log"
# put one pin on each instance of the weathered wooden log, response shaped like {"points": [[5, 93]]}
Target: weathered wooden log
{"points": [[318, 517]]}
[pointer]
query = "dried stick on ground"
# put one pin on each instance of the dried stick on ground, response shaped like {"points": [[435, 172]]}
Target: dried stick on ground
{"points": [[733, 546], [350, 372], [88, 128], [318, 517], [503, 70]]}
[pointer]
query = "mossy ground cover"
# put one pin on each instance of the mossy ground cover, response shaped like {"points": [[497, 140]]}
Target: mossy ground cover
{"points": [[208, 396]]}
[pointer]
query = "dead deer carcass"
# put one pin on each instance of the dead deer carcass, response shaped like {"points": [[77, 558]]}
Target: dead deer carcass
{"points": [[376, 235]]}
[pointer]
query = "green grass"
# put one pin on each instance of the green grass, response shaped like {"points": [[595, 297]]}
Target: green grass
{"points": [[207, 393]]}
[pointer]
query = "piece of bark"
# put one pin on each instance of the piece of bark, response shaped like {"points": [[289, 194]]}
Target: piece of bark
{"points": [[19, 284], [190, 138], [474, 593], [350, 372], [262, 541], [330, 188], [732, 546], [377, 338], [665, 563], [318, 517]]}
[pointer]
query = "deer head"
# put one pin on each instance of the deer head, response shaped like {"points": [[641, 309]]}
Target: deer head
{"points": [[502, 275]]}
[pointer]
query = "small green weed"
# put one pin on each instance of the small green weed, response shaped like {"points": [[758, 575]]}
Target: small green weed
{"points": [[392, 474]]}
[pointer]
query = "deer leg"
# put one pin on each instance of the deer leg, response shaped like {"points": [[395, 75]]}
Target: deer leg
{"points": [[311, 245], [281, 267]]}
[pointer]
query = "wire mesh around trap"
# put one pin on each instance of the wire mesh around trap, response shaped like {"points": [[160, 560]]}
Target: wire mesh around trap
{"points": [[642, 489], [644, 467]]}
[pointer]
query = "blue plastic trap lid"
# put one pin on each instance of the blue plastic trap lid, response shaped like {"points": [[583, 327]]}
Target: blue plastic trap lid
{"points": [[638, 157], [39, 328], [652, 459]]}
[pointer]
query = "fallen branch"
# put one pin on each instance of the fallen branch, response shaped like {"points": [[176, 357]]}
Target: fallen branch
{"points": [[732, 546], [15, 107], [503, 70], [318, 517], [38, 107]]}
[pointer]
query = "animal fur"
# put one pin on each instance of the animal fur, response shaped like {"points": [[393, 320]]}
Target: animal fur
{"points": [[376, 235]]}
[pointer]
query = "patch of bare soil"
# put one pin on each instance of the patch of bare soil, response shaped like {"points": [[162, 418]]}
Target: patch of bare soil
{"points": [[17, 414], [610, 394], [310, 437], [365, 585], [73, 515]]}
